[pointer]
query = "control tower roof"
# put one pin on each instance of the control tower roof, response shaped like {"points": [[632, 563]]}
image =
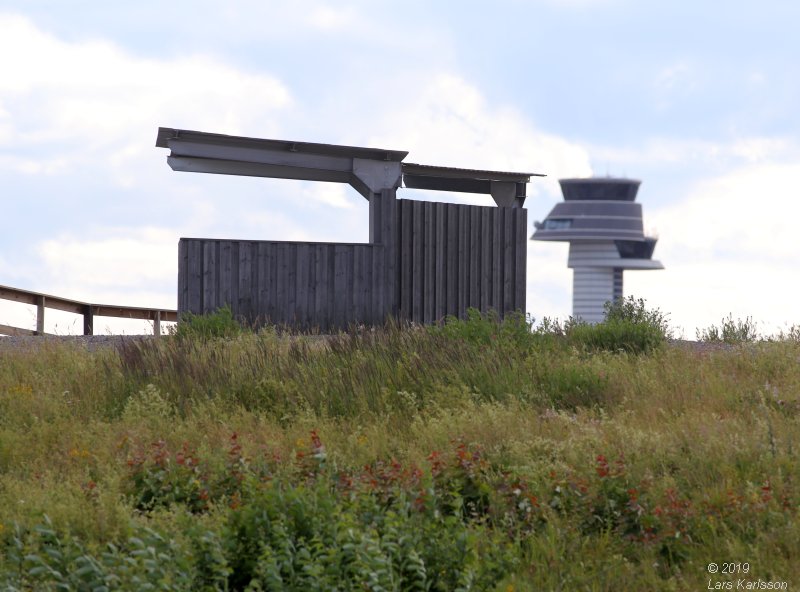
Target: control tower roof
{"points": [[595, 208], [599, 189]]}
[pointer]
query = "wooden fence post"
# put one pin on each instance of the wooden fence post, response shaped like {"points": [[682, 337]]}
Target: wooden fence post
{"points": [[40, 304], [88, 319]]}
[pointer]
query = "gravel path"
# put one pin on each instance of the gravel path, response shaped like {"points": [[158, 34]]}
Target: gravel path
{"points": [[90, 342]]}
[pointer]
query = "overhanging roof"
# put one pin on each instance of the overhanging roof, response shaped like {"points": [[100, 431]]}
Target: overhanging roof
{"points": [[368, 170], [423, 176], [507, 188], [166, 134]]}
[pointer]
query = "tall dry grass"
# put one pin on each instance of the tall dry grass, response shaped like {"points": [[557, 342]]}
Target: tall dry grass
{"points": [[708, 441]]}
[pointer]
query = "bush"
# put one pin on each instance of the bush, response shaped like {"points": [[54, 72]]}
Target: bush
{"points": [[488, 329], [44, 559], [629, 326], [219, 324], [635, 311]]}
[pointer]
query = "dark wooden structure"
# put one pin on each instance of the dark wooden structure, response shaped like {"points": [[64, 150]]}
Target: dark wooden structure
{"points": [[424, 261], [87, 310]]}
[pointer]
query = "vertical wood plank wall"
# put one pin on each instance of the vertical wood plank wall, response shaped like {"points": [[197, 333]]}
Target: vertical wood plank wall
{"points": [[453, 257], [424, 261], [306, 285]]}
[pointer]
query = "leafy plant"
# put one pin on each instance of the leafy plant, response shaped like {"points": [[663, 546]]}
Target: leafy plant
{"points": [[488, 329], [45, 559], [629, 326], [219, 324], [199, 463], [730, 331], [162, 478]]}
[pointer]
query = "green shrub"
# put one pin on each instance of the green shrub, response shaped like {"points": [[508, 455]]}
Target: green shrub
{"points": [[45, 559], [488, 329], [629, 326], [616, 336], [306, 537], [730, 331], [219, 324], [635, 311], [163, 478]]}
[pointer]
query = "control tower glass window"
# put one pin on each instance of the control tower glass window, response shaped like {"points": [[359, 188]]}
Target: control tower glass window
{"points": [[557, 223]]}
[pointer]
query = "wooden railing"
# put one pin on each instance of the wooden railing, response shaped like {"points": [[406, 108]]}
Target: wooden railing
{"points": [[87, 310]]}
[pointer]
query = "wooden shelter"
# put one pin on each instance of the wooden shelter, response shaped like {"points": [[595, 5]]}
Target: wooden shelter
{"points": [[424, 260]]}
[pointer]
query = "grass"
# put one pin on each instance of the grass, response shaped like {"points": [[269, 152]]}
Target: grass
{"points": [[477, 455]]}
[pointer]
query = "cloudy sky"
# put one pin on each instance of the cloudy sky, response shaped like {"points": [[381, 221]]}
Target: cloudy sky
{"points": [[699, 103]]}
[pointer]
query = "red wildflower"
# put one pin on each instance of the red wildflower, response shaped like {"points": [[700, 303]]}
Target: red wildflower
{"points": [[602, 466]]}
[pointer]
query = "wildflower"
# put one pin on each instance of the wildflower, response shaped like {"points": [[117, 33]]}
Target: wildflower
{"points": [[602, 466], [317, 446], [766, 492], [437, 465], [235, 451], [420, 500], [235, 501]]}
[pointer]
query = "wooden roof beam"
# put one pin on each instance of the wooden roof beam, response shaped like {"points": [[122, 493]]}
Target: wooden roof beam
{"points": [[368, 170]]}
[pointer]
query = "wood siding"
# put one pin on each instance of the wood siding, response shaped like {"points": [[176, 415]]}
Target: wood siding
{"points": [[306, 285], [424, 261], [453, 257]]}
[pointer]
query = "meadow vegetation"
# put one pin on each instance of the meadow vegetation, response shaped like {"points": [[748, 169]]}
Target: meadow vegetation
{"points": [[475, 455]]}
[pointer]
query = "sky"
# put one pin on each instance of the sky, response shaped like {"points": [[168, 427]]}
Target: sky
{"points": [[698, 102]]}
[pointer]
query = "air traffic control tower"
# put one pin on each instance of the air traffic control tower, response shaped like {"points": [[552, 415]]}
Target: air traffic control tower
{"points": [[603, 225]]}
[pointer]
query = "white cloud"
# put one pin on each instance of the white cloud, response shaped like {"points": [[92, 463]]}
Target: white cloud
{"points": [[749, 214], [730, 246], [549, 289], [580, 4], [134, 267], [89, 103], [447, 121], [694, 151], [88, 106], [672, 77], [123, 266], [336, 195], [332, 18]]}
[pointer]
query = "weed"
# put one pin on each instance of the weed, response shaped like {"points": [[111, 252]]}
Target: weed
{"points": [[730, 331], [480, 456], [219, 324], [628, 326]]}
